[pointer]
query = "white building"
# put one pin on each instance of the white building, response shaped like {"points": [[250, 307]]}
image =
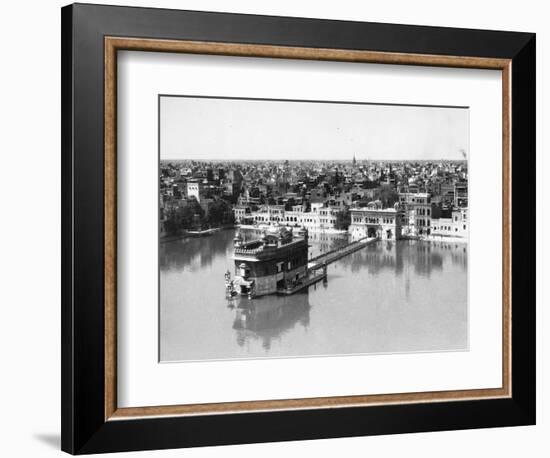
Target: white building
{"points": [[194, 189], [455, 226], [375, 221], [320, 218], [241, 212], [418, 212]]}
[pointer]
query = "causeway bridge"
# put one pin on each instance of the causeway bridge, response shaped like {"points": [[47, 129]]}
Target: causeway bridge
{"points": [[324, 259]]}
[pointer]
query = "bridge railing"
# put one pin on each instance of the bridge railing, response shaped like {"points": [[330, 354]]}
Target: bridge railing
{"points": [[338, 250]]}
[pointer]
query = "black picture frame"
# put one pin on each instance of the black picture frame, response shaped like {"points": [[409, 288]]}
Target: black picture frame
{"points": [[84, 428]]}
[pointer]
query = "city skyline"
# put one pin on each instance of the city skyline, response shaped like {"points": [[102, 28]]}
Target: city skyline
{"points": [[251, 129]]}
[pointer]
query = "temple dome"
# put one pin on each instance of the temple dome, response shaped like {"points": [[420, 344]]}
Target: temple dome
{"points": [[281, 232], [272, 230]]}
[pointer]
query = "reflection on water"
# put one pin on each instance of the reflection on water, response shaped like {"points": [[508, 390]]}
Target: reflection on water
{"points": [[388, 297], [269, 317], [322, 242], [195, 253]]}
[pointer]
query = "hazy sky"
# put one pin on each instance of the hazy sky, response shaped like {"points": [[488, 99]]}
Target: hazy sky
{"points": [[232, 129]]}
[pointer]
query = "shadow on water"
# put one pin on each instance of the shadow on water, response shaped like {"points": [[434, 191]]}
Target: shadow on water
{"points": [[269, 317]]}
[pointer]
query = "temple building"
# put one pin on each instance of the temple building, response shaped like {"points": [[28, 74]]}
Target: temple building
{"points": [[375, 221], [276, 261]]}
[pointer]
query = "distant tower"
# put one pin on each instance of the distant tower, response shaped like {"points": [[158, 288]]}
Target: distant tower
{"points": [[354, 162], [209, 174]]}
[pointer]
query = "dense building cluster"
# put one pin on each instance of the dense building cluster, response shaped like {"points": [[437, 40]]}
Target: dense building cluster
{"points": [[384, 199]]}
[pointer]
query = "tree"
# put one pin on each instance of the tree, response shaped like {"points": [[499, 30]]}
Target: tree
{"points": [[188, 212], [173, 222], [343, 219], [220, 212], [387, 195]]}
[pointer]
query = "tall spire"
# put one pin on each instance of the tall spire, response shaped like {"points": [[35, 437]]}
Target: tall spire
{"points": [[354, 160]]}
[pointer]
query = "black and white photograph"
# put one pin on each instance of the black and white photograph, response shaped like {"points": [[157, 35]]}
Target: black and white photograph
{"points": [[299, 228]]}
